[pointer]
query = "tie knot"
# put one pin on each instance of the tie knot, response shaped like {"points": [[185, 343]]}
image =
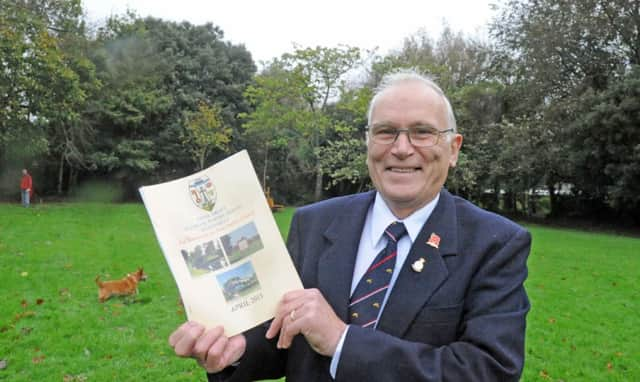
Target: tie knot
{"points": [[395, 231]]}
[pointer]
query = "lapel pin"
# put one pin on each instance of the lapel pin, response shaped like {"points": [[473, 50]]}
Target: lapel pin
{"points": [[434, 240], [418, 265]]}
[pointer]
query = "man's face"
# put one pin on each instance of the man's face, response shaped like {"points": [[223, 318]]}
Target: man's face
{"points": [[406, 176]]}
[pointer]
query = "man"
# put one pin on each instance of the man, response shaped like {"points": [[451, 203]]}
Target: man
{"points": [[455, 306], [26, 184]]}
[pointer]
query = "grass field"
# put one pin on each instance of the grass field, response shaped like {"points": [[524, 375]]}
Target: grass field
{"points": [[583, 288]]}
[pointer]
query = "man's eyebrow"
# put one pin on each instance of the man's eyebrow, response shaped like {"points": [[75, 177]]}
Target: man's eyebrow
{"points": [[395, 125], [423, 124]]}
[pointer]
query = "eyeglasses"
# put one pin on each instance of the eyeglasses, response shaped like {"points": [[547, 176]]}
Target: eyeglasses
{"points": [[419, 136]]}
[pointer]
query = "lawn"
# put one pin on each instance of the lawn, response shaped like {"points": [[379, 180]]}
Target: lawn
{"points": [[582, 286]]}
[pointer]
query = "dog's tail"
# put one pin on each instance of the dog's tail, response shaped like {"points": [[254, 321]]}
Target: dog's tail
{"points": [[98, 282]]}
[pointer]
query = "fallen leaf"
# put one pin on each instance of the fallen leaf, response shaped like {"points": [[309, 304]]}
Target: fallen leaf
{"points": [[544, 374], [552, 320], [38, 359], [24, 314], [609, 365], [74, 378], [24, 303], [39, 301]]}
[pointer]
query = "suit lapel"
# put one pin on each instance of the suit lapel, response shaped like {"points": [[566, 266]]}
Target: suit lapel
{"points": [[412, 289], [336, 262]]}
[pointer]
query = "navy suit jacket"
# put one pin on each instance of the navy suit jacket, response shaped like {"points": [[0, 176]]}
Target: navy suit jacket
{"points": [[461, 319]]}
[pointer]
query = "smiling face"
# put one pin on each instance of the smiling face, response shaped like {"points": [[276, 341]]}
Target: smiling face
{"points": [[406, 176]]}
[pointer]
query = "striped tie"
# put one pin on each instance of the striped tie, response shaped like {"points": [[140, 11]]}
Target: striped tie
{"points": [[366, 300]]}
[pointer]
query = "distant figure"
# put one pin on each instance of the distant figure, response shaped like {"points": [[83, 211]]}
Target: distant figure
{"points": [[26, 187]]}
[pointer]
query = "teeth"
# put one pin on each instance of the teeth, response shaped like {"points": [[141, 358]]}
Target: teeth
{"points": [[394, 169]]}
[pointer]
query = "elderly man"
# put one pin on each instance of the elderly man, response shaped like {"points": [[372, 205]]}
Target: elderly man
{"points": [[404, 283]]}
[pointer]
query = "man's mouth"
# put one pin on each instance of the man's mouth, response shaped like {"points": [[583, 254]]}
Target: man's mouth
{"points": [[403, 169]]}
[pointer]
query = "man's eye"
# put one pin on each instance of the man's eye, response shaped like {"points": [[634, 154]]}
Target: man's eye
{"points": [[385, 131], [423, 131]]}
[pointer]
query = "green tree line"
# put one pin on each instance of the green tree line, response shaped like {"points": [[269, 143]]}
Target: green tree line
{"points": [[549, 105]]}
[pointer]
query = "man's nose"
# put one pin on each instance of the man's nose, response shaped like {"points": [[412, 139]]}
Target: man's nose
{"points": [[402, 144]]}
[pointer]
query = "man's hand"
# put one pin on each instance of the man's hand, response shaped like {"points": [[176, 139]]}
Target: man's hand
{"points": [[212, 349], [307, 312]]}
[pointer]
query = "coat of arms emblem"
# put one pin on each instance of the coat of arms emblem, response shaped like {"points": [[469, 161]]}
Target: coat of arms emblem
{"points": [[203, 193]]}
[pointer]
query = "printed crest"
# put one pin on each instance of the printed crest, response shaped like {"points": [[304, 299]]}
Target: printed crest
{"points": [[203, 193]]}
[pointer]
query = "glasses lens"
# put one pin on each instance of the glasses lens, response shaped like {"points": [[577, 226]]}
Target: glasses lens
{"points": [[423, 136], [383, 134]]}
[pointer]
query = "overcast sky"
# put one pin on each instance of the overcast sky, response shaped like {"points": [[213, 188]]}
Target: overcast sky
{"points": [[270, 28]]}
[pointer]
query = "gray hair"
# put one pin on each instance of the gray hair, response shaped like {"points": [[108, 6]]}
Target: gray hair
{"points": [[411, 75]]}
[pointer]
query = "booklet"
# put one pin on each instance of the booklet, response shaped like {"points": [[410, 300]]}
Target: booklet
{"points": [[222, 244]]}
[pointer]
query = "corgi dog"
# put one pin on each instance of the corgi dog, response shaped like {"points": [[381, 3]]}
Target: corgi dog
{"points": [[123, 287]]}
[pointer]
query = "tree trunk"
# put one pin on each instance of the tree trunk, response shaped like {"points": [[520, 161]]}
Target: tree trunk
{"points": [[60, 174], [264, 169], [317, 195], [73, 180]]}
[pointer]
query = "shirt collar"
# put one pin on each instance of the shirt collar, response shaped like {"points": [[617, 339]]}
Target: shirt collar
{"points": [[381, 217]]}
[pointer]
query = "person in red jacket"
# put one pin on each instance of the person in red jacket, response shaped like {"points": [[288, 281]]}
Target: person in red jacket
{"points": [[26, 187]]}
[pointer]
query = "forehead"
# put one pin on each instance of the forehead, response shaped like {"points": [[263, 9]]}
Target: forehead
{"points": [[409, 103]]}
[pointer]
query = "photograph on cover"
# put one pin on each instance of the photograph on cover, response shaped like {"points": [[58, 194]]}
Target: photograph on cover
{"points": [[238, 282], [242, 242], [204, 258]]}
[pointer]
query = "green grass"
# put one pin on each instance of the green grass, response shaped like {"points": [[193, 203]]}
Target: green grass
{"points": [[582, 286], [584, 321]]}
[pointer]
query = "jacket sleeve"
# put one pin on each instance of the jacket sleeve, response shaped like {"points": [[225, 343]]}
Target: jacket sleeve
{"points": [[490, 344]]}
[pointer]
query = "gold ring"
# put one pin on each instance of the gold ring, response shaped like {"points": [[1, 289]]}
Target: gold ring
{"points": [[292, 315]]}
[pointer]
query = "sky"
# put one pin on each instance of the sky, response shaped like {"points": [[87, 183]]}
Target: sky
{"points": [[270, 28]]}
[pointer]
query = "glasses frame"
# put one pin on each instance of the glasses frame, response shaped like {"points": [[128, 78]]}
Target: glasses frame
{"points": [[438, 133]]}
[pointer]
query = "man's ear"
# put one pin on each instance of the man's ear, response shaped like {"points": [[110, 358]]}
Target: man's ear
{"points": [[454, 146]]}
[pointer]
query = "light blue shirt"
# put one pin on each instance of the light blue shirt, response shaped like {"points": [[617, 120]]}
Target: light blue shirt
{"points": [[373, 240]]}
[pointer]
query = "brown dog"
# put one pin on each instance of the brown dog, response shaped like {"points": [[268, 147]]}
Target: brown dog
{"points": [[123, 287]]}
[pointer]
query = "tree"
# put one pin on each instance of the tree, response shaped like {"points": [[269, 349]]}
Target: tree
{"points": [[301, 86], [551, 53], [343, 158], [205, 131], [45, 80], [156, 74], [607, 170]]}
